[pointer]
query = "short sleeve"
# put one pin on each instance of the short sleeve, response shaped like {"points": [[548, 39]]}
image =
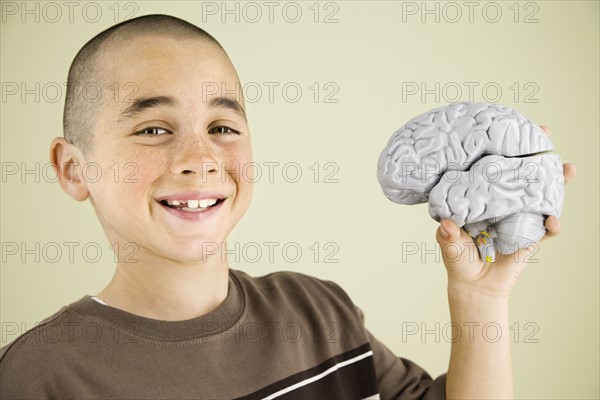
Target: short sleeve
{"points": [[401, 378]]}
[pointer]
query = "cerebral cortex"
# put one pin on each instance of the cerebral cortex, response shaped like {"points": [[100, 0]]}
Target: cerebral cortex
{"points": [[485, 166]]}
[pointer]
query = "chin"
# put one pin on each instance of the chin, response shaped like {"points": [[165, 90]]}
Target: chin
{"points": [[199, 250]]}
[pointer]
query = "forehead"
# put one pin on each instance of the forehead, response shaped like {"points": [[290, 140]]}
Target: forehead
{"points": [[152, 62]]}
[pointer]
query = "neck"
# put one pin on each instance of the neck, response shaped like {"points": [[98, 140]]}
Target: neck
{"points": [[166, 290]]}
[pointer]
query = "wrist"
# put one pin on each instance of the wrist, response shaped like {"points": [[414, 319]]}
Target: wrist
{"points": [[472, 305], [472, 292]]}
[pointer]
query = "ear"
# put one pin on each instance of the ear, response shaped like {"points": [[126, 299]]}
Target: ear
{"points": [[68, 162]]}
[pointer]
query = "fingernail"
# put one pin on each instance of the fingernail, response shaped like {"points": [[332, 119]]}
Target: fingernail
{"points": [[444, 233]]}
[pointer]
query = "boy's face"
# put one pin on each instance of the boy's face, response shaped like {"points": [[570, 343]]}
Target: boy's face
{"points": [[173, 131]]}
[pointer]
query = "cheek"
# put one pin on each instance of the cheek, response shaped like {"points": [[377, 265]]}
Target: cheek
{"points": [[239, 160], [141, 172], [123, 177]]}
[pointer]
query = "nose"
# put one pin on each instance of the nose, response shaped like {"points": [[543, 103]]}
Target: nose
{"points": [[195, 154]]}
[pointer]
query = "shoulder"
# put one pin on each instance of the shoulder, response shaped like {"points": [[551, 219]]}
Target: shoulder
{"points": [[299, 293], [291, 284], [31, 336], [42, 345]]}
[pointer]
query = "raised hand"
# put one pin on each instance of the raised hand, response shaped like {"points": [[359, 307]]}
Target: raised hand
{"points": [[469, 275]]}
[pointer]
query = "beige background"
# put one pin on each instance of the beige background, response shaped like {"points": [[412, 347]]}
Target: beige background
{"points": [[367, 56]]}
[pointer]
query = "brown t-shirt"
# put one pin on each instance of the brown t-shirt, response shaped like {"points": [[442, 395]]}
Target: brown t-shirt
{"points": [[284, 335]]}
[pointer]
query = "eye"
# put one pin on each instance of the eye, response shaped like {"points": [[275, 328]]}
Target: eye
{"points": [[153, 131], [223, 130]]}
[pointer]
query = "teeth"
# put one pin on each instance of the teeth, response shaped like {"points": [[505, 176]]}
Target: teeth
{"points": [[204, 203]]}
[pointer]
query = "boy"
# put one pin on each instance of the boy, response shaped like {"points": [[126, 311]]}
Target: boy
{"points": [[177, 322]]}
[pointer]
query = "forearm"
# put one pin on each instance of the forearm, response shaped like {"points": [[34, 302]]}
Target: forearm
{"points": [[480, 360]]}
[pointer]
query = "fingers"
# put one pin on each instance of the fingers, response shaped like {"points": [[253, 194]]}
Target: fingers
{"points": [[569, 171], [545, 129], [449, 232], [552, 225]]}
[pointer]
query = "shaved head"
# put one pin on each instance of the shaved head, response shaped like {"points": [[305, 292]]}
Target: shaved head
{"points": [[87, 84]]}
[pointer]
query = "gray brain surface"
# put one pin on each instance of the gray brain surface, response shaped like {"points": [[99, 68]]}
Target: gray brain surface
{"points": [[479, 165]]}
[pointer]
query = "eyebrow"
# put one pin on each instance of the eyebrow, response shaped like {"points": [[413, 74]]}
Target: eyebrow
{"points": [[228, 104], [145, 103]]}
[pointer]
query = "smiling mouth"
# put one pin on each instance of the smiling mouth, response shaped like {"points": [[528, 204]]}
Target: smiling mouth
{"points": [[194, 206]]}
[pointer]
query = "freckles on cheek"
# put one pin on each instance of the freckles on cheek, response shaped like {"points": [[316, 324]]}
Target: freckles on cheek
{"points": [[240, 167], [135, 173], [134, 187], [147, 170]]}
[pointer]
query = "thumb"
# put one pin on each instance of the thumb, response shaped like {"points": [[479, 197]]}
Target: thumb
{"points": [[448, 236], [448, 232]]}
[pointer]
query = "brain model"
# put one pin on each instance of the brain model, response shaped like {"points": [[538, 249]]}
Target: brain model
{"points": [[482, 165]]}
